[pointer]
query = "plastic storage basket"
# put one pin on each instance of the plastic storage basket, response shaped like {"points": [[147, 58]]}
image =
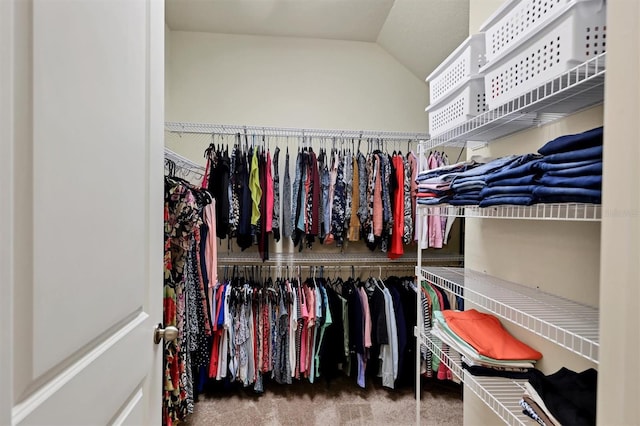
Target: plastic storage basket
{"points": [[465, 103], [568, 39], [454, 71], [517, 20]]}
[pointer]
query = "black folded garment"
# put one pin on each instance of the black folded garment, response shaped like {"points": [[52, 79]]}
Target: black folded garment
{"points": [[569, 396], [477, 370]]}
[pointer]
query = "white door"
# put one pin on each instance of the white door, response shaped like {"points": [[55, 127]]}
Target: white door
{"points": [[81, 200]]}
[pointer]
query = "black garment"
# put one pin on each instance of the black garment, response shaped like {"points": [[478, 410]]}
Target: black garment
{"points": [[478, 370], [400, 325], [406, 372], [569, 396], [262, 234], [356, 318], [300, 181], [218, 186], [244, 227], [379, 335], [332, 348]]}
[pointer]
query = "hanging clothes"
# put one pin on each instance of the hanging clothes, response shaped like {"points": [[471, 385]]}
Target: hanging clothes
{"points": [[397, 249], [287, 224], [276, 195], [183, 296]]}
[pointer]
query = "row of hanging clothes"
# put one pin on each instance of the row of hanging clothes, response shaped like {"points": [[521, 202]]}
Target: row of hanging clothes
{"points": [[290, 329], [335, 195], [188, 211]]}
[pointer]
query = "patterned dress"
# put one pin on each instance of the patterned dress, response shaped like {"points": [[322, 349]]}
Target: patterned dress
{"points": [[181, 219]]}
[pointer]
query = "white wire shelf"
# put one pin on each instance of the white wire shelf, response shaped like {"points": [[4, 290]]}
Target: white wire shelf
{"points": [[558, 211], [564, 322], [230, 129], [335, 259], [185, 168], [574, 90], [502, 395]]}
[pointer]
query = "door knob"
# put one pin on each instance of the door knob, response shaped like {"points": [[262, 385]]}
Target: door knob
{"points": [[168, 333]]}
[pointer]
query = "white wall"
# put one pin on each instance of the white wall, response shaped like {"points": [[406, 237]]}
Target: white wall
{"points": [[291, 82]]}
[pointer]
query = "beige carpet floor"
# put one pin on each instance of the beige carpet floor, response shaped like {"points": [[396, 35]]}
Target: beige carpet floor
{"points": [[340, 403]]}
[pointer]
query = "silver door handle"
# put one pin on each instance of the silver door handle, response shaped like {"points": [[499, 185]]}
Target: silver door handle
{"points": [[168, 333]]}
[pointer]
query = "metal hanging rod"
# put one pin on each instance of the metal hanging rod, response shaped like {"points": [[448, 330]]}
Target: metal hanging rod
{"points": [[185, 166], [224, 129]]}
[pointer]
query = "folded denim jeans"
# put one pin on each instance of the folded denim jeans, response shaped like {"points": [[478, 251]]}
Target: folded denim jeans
{"points": [[514, 172], [507, 190], [591, 182], [433, 201], [546, 194], [458, 167], [441, 186], [566, 143], [464, 201], [486, 168], [522, 180], [595, 152], [475, 185], [514, 200], [589, 169], [543, 166]]}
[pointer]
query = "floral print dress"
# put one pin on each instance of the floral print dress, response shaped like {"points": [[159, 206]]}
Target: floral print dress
{"points": [[181, 219]]}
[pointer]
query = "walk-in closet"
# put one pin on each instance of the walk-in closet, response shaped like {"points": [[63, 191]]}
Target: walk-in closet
{"points": [[343, 212], [440, 178]]}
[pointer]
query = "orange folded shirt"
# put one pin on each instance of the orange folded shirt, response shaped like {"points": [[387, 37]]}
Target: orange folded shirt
{"points": [[487, 335]]}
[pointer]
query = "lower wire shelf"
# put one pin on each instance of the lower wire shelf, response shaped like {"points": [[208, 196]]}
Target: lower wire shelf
{"points": [[502, 395]]}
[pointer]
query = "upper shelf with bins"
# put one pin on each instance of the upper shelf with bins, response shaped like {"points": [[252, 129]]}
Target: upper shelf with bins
{"points": [[569, 324], [572, 91]]}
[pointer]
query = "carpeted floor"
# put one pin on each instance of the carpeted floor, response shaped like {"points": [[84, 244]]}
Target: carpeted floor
{"points": [[340, 403]]}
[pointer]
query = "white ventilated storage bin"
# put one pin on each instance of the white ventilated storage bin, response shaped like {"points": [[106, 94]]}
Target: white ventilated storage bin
{"points": [[454, 71], [456, 108], [568, 38]]}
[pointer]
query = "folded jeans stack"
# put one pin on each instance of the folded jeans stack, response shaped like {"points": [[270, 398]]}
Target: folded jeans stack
{"points": [[513, 184], [434, 185], [571, 169], [468, 185]]}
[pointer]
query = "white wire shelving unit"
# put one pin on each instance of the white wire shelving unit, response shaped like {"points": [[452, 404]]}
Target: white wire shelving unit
{"points": [[502, 395], [572, 91], [184, 167], [321, 258], [569, 324], [559, 211], [283, 132]]}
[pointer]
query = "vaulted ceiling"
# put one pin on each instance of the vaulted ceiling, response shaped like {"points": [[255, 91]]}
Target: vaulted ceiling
{"points": [[418, 33]]}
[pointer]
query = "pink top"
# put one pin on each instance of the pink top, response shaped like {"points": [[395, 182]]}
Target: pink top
{"points": [[303, 340], [210, 248], [269, 212], [205, 177], [435, 224], [367, 318]]}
